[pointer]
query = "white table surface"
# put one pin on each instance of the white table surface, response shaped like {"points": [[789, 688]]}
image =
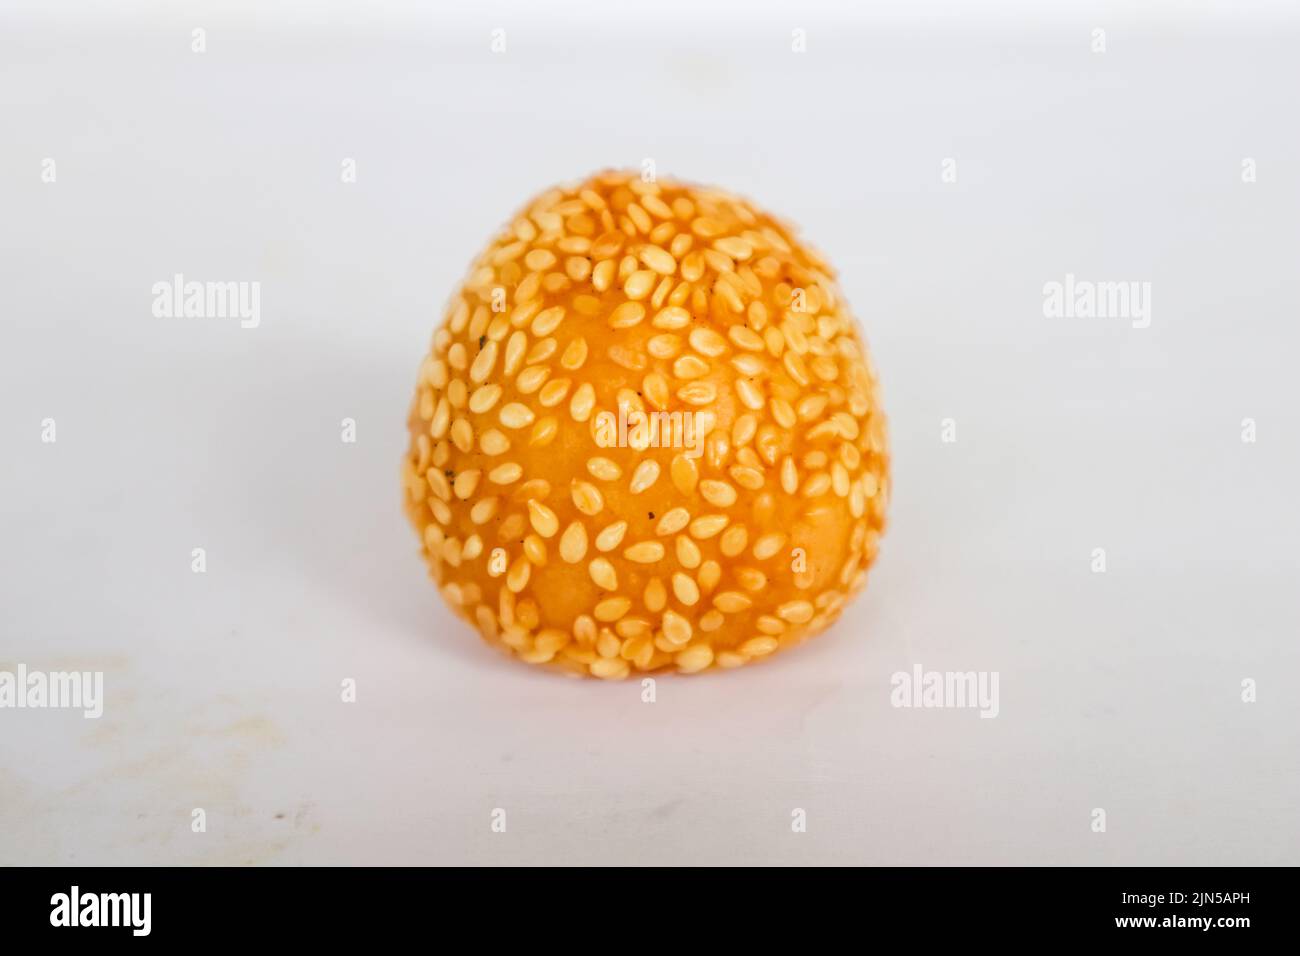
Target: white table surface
{"points": [[1119, 691]]}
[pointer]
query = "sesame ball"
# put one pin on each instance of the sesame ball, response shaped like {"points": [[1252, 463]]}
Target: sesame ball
{"points": [[647, 436]]}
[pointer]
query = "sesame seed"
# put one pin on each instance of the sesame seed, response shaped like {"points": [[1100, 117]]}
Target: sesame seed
{"points": [[587, 497], [768, 545], [484, 510], [687, 551], [531, 378], [483, 362], [610, 668], [745, 338], [542, 518], [685, 588], [584, 629], [671, 317], [583, 401], [646, 474], [709, 575], [548, 320], [539, 260], [517, 576], [811, 407], [732, 602], [577, 268], [690, 366], [817, 484], [655, 596], [538, 488], [693, 659], [506, 474], [626, 315], [554, 392], [575, 354], [604, 469], [544, 432], [602, 276], [602, 572], [664, 346], [612, 608], [672, 521], [759, 646], [789, 476], [655, 388], [607, 245], [515, 415], [657, 207], [707, 228], [551, 640], [658, 259], [707, 526], [639, 285], [783, 413], [465, 483], [677, 630], [639, 217], [573, 543], [438, 484], [645, 552], [685, 474], [749, 394], [796, 612], [634, 631], [735, 247], [462, 434], [441, 418], [733, 540], [516, 346], [483, 398], [535, 550], [611, 536]]}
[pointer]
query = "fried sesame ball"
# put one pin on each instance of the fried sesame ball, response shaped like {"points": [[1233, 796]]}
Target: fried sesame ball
{"points": [[647, 436]]}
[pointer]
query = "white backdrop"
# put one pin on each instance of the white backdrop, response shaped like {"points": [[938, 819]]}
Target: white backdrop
{"points": [[1120, 691]]}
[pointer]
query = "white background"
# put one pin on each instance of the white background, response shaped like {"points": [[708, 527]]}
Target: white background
{"points": [[1119, 691]]}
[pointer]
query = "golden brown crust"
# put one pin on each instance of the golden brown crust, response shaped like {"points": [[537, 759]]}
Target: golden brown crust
{"points": [[675, 549]]}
